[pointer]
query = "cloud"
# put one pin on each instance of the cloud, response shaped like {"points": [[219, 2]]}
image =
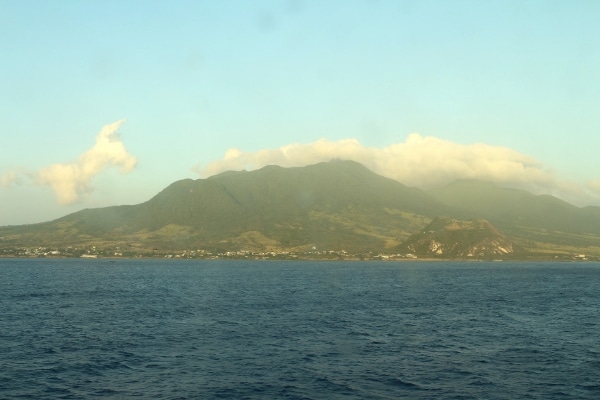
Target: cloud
{"points": [[420, 161], [10, 178], [593, 185], [69, 181]]}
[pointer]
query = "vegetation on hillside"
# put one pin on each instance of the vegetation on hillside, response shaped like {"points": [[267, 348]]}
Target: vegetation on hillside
{"points": [[335, 206]]}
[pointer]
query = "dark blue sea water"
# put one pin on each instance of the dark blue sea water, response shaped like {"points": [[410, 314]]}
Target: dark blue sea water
{"points": [[76, 329]]}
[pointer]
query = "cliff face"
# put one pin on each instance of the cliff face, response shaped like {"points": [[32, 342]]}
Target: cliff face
{"points": [[449, 238]]}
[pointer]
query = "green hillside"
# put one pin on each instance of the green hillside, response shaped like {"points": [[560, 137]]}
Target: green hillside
{"points": [[542, 224], [333, 206], [513, 208]]}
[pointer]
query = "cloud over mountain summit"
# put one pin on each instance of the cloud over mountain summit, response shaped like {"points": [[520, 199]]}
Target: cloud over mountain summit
{"points": [[420, 161]]}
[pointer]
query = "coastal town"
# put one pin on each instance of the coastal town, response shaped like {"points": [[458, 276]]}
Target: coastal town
{"points": [[93, 252], [118, 252]]}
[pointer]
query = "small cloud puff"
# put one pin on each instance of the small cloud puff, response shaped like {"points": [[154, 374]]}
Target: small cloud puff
{"points": [[593, 185], [69, 181], [10, 178]]}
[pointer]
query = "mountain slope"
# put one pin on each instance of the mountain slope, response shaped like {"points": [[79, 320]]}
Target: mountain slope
{"points": [[339, 204], [513, 209]]}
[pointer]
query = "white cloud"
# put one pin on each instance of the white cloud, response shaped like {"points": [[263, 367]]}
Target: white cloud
{"points": [[69, 181], [420, 161], [594, 186], [9, 178]]}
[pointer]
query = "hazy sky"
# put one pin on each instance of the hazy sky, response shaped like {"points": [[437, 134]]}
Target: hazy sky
{"points": [[107, 102]]}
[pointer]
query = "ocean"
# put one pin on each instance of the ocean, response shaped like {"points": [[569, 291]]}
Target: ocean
{"points": [[194, 329]]}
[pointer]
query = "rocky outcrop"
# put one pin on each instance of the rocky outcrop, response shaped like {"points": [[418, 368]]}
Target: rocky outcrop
{"points": [[449, 238]]}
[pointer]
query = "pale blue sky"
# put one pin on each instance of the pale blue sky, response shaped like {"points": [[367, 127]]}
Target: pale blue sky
{"points": [[196, 78]]}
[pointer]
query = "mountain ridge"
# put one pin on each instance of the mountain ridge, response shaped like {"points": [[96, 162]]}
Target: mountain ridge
{"points": [[509, 207], [336, 205]]}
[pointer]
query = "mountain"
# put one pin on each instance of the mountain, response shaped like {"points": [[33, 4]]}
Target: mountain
{"points": [[333, 205], [448, 238], [511, 208], [541, 223]]}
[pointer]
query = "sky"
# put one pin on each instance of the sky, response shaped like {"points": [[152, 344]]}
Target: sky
{"points": [[108, 102]]}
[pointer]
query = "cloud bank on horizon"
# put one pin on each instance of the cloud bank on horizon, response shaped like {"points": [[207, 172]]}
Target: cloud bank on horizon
{"points": [[70, 181], [421, 161]]}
